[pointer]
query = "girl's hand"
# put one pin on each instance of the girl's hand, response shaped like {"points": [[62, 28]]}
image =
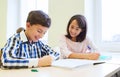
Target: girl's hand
{"points": [[45, 61], [93, 56]]}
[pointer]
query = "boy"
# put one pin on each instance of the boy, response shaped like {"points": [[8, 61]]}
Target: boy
{"points": [[24, 49]]}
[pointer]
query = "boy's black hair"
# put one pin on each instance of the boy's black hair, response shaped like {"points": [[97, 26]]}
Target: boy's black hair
{"points": [[39, 17], [81, 20]]}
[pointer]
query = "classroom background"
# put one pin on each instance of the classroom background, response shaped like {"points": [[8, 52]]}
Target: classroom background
{"points": [[13, 14]]}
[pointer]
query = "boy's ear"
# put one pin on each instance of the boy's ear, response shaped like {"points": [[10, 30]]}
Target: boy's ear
{"points": [[28, 25]]}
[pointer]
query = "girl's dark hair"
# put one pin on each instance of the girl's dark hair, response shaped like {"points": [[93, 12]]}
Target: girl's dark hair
{"points": [[39, 17], [81, 20]]}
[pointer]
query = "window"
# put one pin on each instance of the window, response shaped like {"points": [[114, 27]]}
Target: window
{"points": [[18, 11], [110, 20], [107, 24]]}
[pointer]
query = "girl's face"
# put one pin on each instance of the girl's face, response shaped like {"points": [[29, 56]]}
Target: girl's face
{"points": [[74, 29], [35, 32]]}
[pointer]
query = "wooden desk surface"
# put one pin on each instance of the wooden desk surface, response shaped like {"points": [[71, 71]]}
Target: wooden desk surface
{"points": [[101, 70]]}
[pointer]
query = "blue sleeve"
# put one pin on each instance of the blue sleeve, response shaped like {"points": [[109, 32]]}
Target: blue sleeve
{"points": [[9, 57], [51, 52]]}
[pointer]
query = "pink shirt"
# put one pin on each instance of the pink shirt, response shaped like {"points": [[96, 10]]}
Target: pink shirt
{"points": [[67, 46]]}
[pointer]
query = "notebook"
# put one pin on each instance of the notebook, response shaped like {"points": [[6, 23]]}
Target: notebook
{"points": [[74, 63], [71, 63]]}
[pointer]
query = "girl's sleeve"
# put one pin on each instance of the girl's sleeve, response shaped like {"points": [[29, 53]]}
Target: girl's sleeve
{"points": [[11, 60], [91, 45], [65, 52]]}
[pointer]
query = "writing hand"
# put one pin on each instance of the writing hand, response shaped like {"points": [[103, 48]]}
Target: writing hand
{"points": [[45, 61]]}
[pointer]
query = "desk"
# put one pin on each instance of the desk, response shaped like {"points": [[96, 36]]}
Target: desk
{"points": [[115, 58], [102, 70]]}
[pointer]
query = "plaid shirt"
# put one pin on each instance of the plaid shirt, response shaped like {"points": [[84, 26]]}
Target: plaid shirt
{"points": [[20, 53]]}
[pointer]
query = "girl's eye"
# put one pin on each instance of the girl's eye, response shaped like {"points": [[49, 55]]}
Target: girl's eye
{"points": [[77, 29], [71, 27]]}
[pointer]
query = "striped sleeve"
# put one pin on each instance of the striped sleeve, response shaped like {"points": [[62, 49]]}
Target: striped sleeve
{"points": [[51, 52], [10, 59]]}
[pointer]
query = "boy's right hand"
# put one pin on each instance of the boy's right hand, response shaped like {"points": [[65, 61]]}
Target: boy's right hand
{"points": [[45, 61]]}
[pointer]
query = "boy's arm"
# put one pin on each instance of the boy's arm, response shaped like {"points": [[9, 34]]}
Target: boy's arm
{"points": [[51, 52], [10, 59]]}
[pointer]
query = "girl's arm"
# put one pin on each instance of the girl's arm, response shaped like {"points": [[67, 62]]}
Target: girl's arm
{"points": [[90, 56]]}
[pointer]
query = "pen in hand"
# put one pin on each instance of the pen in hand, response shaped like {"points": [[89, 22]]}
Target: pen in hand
{"points": [[89, 48]]}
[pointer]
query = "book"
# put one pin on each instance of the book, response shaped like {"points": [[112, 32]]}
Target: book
{"points": [[71, 63], [74, 63]]}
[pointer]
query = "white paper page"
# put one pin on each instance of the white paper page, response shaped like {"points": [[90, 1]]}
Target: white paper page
{"points": [[71, 63]]}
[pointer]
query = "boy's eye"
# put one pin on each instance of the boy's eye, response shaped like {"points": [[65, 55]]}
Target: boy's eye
{"points": [[39, 31]]}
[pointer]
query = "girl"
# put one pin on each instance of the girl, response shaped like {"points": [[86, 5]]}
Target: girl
{"points": [[75, 44]]}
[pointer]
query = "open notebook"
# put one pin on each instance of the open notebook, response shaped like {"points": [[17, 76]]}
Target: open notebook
{"points": [[73, 63]]}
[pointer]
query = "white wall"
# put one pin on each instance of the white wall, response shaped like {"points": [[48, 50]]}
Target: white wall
{"points": [[13, 17], [61, 11], [3, 11], [90, 15]]}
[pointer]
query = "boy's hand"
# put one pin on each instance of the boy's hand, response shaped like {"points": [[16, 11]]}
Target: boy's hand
{"points": [[45, 61]]}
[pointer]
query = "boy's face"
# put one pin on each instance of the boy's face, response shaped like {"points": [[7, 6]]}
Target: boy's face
{"points": [[35, 32]]}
